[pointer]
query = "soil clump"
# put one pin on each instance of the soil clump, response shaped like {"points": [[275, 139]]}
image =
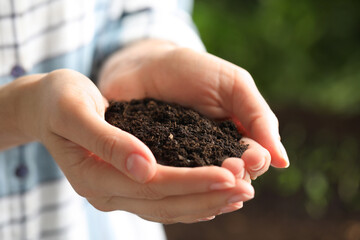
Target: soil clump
{"points": [[177, 136]]}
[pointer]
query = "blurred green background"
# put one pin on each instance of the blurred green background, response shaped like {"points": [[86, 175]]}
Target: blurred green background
{"points": [[301, 53], [305, 59]]}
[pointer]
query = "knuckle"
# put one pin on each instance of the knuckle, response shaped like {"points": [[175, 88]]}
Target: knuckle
{"points": [[105, 145]]}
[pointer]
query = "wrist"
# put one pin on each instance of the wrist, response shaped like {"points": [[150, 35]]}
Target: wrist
{"points": [[18, 110]]}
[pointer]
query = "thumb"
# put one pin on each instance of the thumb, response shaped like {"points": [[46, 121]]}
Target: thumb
{"points": [[263, 129], [122, 150], [257, 119]]}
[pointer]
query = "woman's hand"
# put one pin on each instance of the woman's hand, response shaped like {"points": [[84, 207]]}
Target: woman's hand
{"points": [[111, 168], [216, 88]]}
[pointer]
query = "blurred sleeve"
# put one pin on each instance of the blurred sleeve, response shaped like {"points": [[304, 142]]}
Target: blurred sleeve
{"points": [[160, 19]]}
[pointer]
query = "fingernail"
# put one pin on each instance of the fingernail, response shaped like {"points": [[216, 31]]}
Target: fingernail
{"points": [[221, 186], [206, 219], [138, 167], [284, 155]]}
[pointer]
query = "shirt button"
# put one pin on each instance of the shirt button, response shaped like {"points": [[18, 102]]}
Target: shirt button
{"points": [[17, 71], [21, 171]]}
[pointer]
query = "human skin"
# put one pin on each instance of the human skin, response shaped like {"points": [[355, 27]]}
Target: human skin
{"points": [[111, 168], [216, 88]]}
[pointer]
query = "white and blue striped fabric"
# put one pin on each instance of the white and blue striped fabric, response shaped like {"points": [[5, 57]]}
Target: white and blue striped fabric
{"points": [[36, 201]]}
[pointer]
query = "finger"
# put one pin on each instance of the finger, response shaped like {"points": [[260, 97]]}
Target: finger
{"points": [[257, 159], [105, 102], [247, 177], [180, 208], [99, 178], [236, 166], [86, 127], [229, 91], [231, 207], [173, 181], [260, 122], [119, 148], [182, 181], [211, 211], [192, 219], [154, 219], [79, 117]]}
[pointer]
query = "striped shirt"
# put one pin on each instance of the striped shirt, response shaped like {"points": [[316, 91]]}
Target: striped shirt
{"points": [[36, 201]]}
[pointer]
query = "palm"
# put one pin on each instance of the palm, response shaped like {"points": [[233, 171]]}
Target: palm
{"points": [[190, 85], [208, 84]]}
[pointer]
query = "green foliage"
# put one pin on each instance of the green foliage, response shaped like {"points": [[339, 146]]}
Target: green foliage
{"points": [[303, 53]]}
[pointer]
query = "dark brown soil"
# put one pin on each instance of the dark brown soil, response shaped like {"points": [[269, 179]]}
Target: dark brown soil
{"points": [[176, 135]]}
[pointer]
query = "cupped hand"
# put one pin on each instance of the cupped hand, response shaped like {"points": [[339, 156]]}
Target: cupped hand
{"points": [[113, 169], [213, 86]]}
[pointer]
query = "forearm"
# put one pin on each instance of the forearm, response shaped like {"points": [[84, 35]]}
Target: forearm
{"points": [[17, 99]]}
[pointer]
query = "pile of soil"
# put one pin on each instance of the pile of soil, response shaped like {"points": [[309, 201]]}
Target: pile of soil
{"points": [[177, 136]]}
